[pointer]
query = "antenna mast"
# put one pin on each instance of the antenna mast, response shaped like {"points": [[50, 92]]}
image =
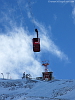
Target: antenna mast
{"points": [[45, 65]]}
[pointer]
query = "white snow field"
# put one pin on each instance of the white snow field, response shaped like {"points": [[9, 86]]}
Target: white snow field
{"points": [[37, 90]]}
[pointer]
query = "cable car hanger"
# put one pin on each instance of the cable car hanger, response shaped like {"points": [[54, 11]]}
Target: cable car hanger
{"points": [[36, 32]]}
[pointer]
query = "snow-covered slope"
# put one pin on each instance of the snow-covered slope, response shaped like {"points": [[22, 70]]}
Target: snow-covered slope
{"points": [[37, 90]]}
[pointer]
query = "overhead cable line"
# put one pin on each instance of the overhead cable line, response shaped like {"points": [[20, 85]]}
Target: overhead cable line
{"points": [[30, 12]]}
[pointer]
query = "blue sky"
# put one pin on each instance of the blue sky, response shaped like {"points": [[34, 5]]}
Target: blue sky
{"points": [[56, 25]]}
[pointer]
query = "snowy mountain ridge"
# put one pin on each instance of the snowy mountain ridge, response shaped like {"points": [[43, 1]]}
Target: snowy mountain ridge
{"points": [[37, 90]]}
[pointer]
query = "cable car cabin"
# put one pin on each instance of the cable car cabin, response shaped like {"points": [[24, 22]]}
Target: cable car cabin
{"points": [[36, 44]]}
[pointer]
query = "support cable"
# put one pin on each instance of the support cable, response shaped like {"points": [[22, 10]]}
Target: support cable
{"points": [[31, 13]]}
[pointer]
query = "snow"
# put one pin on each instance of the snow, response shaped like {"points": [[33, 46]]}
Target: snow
{"points": [[37, 90]]}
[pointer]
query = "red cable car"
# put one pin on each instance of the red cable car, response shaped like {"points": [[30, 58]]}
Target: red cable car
{"points": [[36, 43]]}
